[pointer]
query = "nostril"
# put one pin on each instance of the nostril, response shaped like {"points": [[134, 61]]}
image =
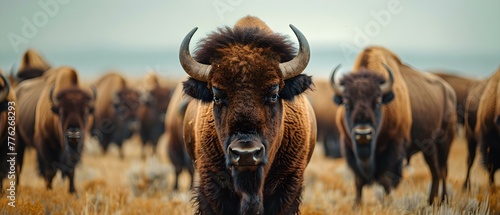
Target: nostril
{"points": [[234, 154], [258, 154]]}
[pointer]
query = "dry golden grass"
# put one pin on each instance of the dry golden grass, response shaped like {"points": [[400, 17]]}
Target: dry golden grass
{"points": [[108, 185]]}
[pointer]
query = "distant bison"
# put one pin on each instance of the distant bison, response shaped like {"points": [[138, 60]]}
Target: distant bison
{"points": [[151, 113], [462, 86], [251, 130], [7, 131], [115, 118], [325, 110], [62, 116], [32, 65], [486, 125], [391, 110], [174, 123]]}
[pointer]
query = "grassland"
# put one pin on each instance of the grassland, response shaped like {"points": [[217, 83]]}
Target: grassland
{"points": [[108, 185]]}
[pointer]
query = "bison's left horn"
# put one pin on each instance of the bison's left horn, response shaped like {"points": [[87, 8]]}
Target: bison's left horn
{"points": [[294, 67], [6, 91], [387, 86], [339, 89], [193, 68]]}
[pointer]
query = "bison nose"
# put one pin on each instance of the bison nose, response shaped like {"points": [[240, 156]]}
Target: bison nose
{"points": [[246, 156], [73, 133], [363, 134]]}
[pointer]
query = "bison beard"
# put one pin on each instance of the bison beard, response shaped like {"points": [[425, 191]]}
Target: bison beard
{"points": [[249, 184]]}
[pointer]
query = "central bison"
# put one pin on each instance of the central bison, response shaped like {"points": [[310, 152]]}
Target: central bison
{"points": [[254, 130]]}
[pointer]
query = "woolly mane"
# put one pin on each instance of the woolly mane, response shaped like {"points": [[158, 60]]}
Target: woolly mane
{"points": [[210, 47]]}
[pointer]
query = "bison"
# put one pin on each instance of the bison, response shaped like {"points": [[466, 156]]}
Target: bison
{"points": [[115, 117], [174, 124], [325, 110], [462, 86], [483, 124], [7, 131], [151, 113], [62, 116], [250, 128], [32, 65], [391, 110]]}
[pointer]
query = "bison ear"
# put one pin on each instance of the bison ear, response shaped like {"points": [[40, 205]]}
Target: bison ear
{"points": [[338, 100], [295, 86], [197, 89], [387, 97], [55, 109]]}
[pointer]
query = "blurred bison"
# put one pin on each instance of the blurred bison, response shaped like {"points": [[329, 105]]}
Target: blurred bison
{"points": [[7, 130], [32, 65], [462, 86], [115, 117], [325, 110], [176, 148], [151, 113], [253, 129], [391, 110], [62, 116], [485, 124]]}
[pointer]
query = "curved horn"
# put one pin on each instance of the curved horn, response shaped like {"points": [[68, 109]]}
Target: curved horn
{"points": [[50, 95], [6, 91], [339, 89], [295, 66], [194, 69], [94, 90], [387, 86]]}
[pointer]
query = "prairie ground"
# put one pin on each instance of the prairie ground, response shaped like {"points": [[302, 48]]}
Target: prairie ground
{"points": [[108, 185]]}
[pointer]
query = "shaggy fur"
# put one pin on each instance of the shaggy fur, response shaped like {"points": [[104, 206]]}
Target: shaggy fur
{"points": [[414, 94], [6, 129], [116, 111], [252, 102]]}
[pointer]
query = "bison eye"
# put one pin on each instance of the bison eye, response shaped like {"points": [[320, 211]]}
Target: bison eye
{"points": [[346, 105], [275, 97], [217, 100], [378, 104]]}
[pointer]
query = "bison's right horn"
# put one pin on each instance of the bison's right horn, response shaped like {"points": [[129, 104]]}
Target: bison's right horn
{"points": [[339, 89], [193, 68], [387, 86], [295, 66], [51, 92], [94, 91], [6, 91]]}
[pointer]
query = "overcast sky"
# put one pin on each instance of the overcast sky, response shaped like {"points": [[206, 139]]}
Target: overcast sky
{"points": [[445, 26]]}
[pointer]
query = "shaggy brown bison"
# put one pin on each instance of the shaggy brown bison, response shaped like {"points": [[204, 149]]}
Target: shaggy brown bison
{"points": [[115, 117], [7, 132], [176, 148], [462, 86], [392, 110], [62, 116], [325, 110], [151, 113], [485, 124], [251, 130]]}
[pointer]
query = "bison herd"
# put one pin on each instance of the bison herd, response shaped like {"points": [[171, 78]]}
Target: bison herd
{"points": [[247, 119]]}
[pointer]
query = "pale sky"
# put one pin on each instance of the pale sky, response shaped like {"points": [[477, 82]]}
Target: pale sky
{"points": [[445, 26]]}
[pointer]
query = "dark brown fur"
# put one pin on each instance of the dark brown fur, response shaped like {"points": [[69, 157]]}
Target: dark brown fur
{"points": [[245, 63], [7, 132], [32, 65], [57, 123]]}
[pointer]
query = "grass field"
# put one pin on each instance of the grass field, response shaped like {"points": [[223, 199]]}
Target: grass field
{"points": [[108, 185]]}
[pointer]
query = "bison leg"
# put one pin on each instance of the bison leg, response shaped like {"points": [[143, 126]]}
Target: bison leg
{"points": [[471, 145], [178, 170], [359, 191], [190, 168], [432, 161], [20, 157], [71, 177], [492, 177]]}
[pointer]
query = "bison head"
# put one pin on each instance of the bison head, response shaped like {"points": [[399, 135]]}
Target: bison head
{"points": [[156, 101], [125, 104], [363, 94], [73, 107], [246, 73]]}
